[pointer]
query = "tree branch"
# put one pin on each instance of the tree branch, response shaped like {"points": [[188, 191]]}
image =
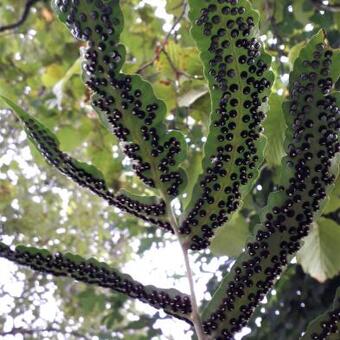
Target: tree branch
{"points": [[29, 4], [177, 71], [160, 48]]}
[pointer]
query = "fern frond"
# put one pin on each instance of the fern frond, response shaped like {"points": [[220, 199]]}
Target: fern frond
{"points": [[237, 70], [126, 103], [98, 273], [327, 325], [311, 144], [150, 209]]}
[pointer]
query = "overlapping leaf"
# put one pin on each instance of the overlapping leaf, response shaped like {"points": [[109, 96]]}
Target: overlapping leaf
{"points": [[274, 129], [230, 240], [319, 255], [311, 143], [237, 70], [126, 103], [149, 209]]}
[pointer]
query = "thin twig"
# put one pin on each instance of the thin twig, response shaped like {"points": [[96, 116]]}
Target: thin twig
{"points": [[23, 18], [328, 8], [160, 48], [177, 71], [195, 317]]}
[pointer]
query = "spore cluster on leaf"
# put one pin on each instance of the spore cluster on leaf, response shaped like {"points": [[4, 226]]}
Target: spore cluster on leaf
{"points": [[240, 80], [86, 176], [313, 143], [93, 272], [125, 102]]}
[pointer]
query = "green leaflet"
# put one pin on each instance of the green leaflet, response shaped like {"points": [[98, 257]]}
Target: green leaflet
{"points": [[125, 103], [274, 129], [327, 325], [319, 255], [99, 273], [150, 209], [230, 239], [311, 144], [237, 70], [332, 200]]}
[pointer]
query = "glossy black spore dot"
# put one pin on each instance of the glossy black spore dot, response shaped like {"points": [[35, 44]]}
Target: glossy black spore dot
{"points": [[328, 326]]}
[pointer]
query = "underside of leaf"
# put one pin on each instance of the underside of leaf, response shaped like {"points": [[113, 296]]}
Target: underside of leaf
{"points": [[93, 272], [312, 142], [237, 70], [126, 103], [150, 209], [327, 325]]}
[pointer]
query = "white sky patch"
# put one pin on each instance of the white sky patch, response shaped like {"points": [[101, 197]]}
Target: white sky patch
{"points": [[263, 38], [244, 331], [280, 92], [190, 121], [157, 266], [285, 78], [258, 321], [309, 27], [170, 117], [284, 59], [272, 41]]}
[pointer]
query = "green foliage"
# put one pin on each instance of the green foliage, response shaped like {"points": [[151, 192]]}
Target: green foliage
{"points": [[333, 198], [120, 99], [236, 231], [156, 101], [318, 255], [274, 129], [146, 208], [297, 299]]}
